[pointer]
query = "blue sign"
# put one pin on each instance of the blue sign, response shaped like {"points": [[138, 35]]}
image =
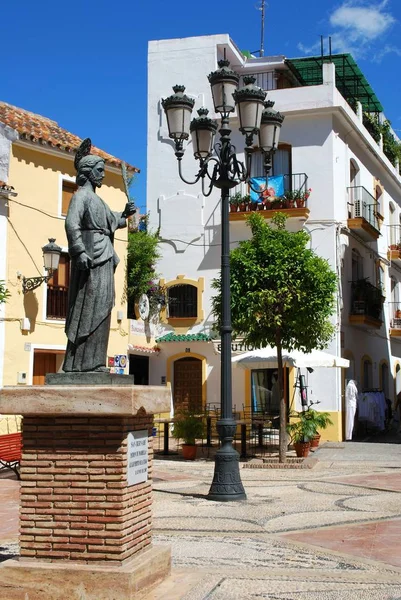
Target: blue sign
{"points": [[275, 188]]}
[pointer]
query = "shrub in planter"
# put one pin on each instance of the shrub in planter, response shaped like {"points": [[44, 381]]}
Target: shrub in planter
{"points": [[188, 427], [301, 433]]}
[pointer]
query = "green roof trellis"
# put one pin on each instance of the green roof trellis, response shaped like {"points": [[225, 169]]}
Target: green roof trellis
{"points": [[350, 80], [187, 337]]}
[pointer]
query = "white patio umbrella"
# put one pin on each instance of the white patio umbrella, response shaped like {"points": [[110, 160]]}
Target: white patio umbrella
{"points": [[266, 358]]}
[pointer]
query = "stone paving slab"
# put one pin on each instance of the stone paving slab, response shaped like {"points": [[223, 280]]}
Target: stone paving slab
{"points": [[387, 481], [378, 540]]}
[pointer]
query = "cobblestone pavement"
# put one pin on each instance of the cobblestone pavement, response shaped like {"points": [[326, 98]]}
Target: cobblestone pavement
{"points": [[327, 533], [331, 532]]}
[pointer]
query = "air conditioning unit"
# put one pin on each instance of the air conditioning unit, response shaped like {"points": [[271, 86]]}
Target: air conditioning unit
{"points": [[358, 208]]}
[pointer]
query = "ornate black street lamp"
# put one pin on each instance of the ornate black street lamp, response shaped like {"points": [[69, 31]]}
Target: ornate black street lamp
{"points": [[51, 259], [223, 170]]}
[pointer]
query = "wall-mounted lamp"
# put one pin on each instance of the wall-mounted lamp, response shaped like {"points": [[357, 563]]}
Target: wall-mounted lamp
{"points": [[51, 259]]}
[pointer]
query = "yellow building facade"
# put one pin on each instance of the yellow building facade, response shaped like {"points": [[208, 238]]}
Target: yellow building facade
{"points": [[32, 337]]}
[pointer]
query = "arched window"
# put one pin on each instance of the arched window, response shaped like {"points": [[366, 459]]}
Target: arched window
{"points": [[380, 277], [394, 227], [353, 173], [378, 196], [182, 301], [353, 192], [384, 381], [367, 373], [357, 265]]}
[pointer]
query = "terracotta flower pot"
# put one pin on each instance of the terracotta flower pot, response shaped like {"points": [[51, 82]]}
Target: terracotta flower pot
{"points": [[300, 203], [233, 208], [302, 449], [253, 206], [314, 443], [261, 206], [189, 451], [242, 207]]}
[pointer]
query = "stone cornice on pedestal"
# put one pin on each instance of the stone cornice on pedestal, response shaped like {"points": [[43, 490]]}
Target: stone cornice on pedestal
{"points": [[80, 400]]}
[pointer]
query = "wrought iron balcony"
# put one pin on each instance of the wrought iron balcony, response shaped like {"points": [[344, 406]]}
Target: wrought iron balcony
{"points": [[366, 303], [395, 318], [363, 216]]}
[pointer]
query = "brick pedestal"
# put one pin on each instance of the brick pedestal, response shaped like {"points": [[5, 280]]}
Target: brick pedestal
{"points": [[78, 512]]}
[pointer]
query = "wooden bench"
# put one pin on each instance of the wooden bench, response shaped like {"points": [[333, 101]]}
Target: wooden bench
{"points": [[10, 451]]}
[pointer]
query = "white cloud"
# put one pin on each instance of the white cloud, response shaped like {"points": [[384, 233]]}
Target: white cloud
{"points": [[362, 23], [359, 27]]}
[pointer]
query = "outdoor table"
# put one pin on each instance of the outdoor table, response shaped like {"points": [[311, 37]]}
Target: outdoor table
{"points": [[166, 423]]}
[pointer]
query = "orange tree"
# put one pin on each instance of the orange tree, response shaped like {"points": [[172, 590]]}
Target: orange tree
{"points": [[282, 295]]}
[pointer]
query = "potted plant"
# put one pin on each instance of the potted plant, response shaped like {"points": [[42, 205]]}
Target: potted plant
{"points": [[301, 197], [188, 427], [235, 201], [301, 433], [290, 198], [320, 420], [244, 202]]}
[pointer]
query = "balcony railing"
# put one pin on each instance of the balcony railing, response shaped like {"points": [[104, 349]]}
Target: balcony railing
{"points": [[57, 302], [272, 80], [395, 315], [366, 299], [395, 237], [363, 204], [295, 184]]}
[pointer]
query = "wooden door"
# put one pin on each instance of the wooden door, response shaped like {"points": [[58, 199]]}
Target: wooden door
{"points": [[188, 384], [43, 363]]}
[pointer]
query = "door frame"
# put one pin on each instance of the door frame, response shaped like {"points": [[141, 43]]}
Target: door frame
{"points": [[170, 362], [58, 348]]}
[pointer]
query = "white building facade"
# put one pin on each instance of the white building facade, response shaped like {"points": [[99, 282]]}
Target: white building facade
{"points": [[352, 216]]}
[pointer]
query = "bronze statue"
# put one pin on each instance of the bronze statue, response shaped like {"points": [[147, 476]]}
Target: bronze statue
{"points": [[90, 227]]}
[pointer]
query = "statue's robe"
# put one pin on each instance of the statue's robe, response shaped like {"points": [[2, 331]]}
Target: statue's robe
{"points": [[90, 227]]}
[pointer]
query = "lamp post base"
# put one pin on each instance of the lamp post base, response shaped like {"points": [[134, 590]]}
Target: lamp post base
{"points": [[226, 485]]}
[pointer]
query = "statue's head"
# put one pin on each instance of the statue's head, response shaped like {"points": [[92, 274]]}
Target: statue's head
{"points": [[88, 166]]}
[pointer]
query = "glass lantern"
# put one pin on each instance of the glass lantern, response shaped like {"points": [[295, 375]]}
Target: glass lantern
{"points": [[223, 83], [270, 126], [178, 109], [203, 130], [51, 255]]}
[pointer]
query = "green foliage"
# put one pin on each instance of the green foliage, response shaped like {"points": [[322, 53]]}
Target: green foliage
{"points": [[391, 148], [237, 199], [301, 431], [188, 427], [4, 293], [372, 124], [307, 425], [279, 287], [142, 255]]}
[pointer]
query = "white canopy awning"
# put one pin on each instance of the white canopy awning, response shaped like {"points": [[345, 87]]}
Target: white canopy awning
{"points": [[266, 358]]}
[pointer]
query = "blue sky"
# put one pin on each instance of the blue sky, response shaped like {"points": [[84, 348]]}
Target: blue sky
{"points": [[84, 63]]}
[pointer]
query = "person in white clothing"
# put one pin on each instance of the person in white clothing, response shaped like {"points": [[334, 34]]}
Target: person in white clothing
{"points": [[351, 396]]}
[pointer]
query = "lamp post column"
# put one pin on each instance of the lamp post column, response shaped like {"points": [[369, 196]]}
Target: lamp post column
{"points": [[226, 484]]}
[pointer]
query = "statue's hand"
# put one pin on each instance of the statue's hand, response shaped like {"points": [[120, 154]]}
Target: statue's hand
{"points": [[130, 209], [83, 261]]}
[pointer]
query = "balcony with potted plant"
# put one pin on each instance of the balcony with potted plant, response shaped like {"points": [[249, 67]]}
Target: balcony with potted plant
{"points": [[395, 319], [366, 304], [291, 200], [394, 249], [363, 214]]}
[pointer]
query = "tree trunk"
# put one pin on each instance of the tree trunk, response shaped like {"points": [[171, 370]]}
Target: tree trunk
{"points": [[283, 405]]}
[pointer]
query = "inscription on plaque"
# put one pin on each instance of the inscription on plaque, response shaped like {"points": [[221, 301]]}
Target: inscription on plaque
{"points": [[137, 459]]}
